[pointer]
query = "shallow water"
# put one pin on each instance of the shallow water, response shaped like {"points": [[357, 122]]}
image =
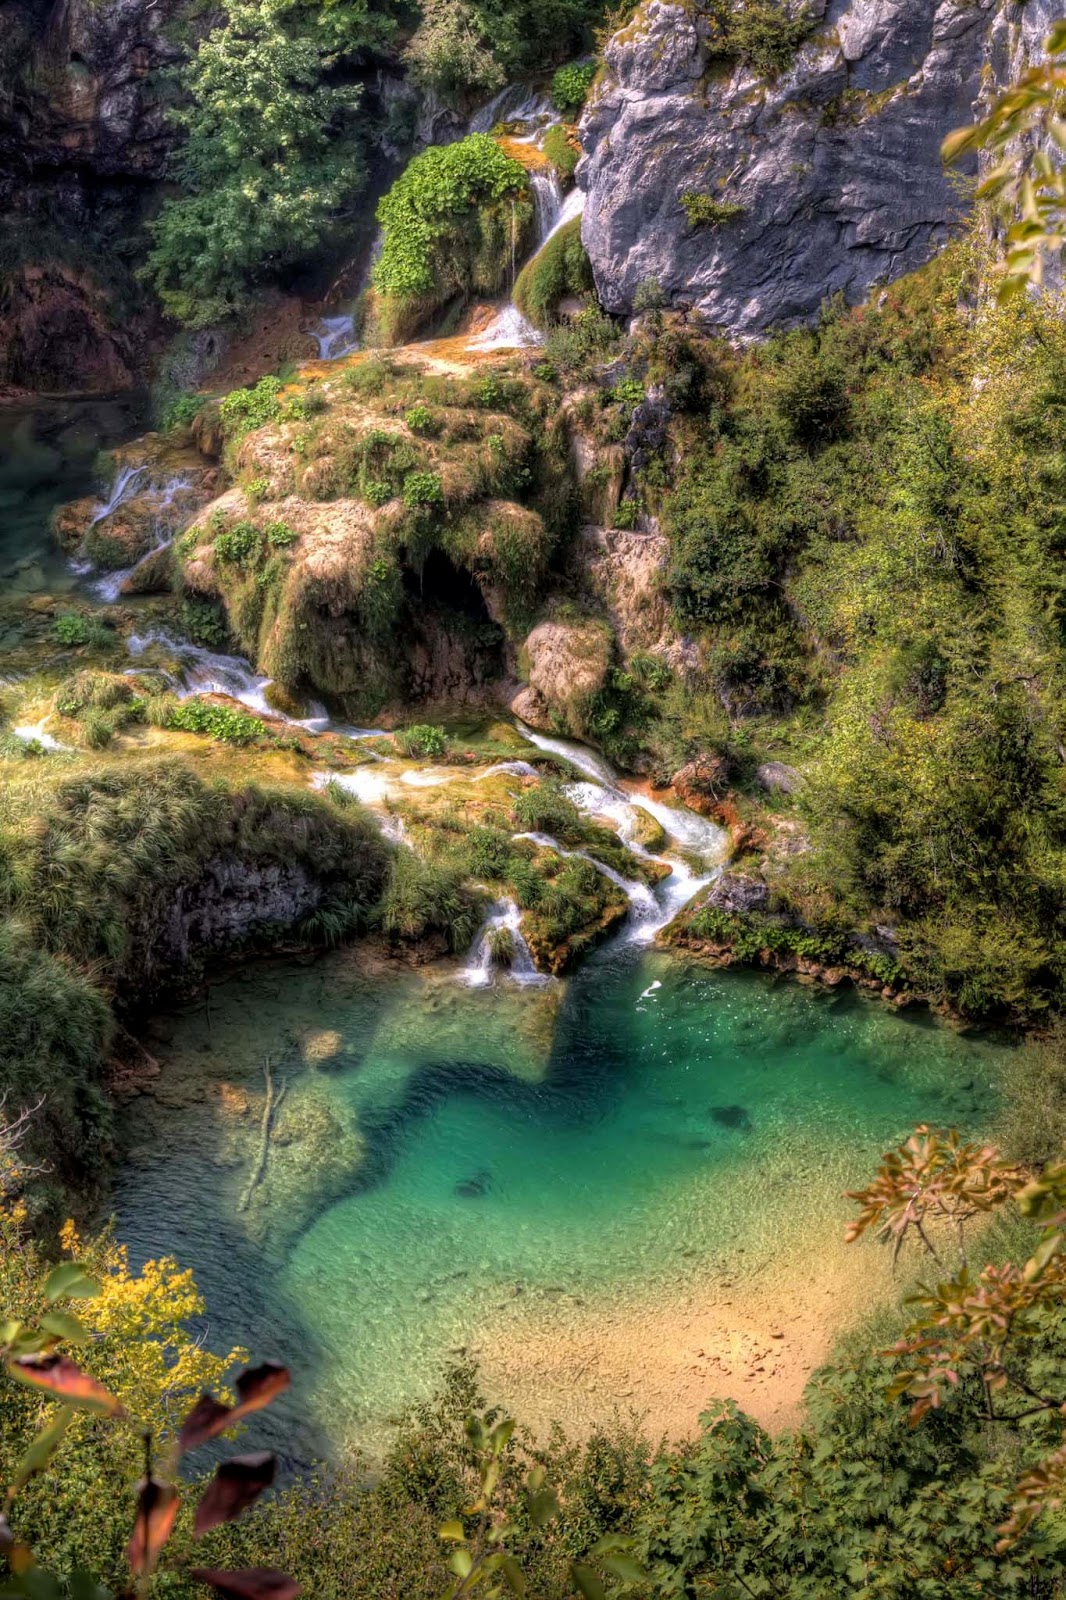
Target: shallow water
{"points": [[442, 1150], [49, 454]]}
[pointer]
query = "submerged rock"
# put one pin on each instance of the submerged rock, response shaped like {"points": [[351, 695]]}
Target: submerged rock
{"points": [[737, 1117]]}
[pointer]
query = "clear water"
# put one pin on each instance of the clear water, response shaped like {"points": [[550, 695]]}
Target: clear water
{"points": [[50, 454], [441, 1150]]}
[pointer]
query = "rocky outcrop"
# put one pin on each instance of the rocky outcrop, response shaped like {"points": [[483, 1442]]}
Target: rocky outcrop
{"points": [[567, 664], [232, 902], [825, 179], [83, 132]]}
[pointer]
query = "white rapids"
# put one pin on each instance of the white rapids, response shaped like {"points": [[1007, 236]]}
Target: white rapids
{"points": [[481, 967]]}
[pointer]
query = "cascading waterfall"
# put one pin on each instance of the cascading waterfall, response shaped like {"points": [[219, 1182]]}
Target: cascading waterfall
{"points": [[336, 337], [205, 672], [108, 587], [482, 967], [126, 485]]}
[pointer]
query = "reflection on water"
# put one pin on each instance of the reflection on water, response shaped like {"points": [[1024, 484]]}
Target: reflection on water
{"points": [[442, 1150], [49, 455]]}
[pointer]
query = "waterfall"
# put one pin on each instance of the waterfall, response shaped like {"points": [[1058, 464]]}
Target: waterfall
{"points": [[548, 201], [109, 586], [205, 672], [336, 337], [125, 486], [481, 968], [642, 902]]}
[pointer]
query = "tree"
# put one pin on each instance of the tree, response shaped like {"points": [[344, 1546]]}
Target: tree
{"points": [[272, 153]]}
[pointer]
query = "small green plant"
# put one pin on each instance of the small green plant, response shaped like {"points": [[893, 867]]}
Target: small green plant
{"points": [[280, 535], [182, 412], [649, 295], [628, 393], [423, 739], [627, 513], [704, 211], [488, 391], [221, 722], [241, 545], [246, 409], [423, 489], [257, 490], [376, 492], [204, 622], [71, 628], [570, 86], [420, 419]]}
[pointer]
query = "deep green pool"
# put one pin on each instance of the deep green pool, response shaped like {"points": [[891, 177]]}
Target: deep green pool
{"points": [[440, 1151]]}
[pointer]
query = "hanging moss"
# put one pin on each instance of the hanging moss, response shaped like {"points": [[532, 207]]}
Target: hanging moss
{"points": [[562, 267]]}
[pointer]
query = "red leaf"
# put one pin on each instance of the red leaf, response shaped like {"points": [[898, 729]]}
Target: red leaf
{"points": [[60, 1376], [157, 1506], [257, 1386], [237, 1484], [207, 1418], [249, 1583]]}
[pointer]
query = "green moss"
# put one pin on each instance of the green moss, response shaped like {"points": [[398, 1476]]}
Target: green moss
{"points": [[704, 211], [561, 268]]}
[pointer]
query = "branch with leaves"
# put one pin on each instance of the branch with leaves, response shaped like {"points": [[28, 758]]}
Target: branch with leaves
{"points": [[31, 1353], [1024, 135], [977, 1327]]}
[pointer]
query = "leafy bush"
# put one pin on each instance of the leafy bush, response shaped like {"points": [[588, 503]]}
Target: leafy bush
{"points": [[423, 739], [181, 412], [242, 544], [449, 223], [246, 409], [423, 489], [221, 722], [571, 85], [376, 492], [765, 34], [279, 535], [451, 53], [580, 344], [204, 622], [71, 628], [271, 152], [420, 419]]}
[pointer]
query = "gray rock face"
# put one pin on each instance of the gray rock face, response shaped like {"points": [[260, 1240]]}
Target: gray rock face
{"points": [[232, 902], [836, 162], [736, 893]]}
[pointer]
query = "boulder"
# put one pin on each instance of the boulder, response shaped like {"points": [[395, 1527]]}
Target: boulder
{"points": [[833, 166], [701, 783], [737, 893], [776, 777], [568, 664]]}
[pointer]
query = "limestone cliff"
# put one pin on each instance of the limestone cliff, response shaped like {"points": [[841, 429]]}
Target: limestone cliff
{"points": [[826, 178]]}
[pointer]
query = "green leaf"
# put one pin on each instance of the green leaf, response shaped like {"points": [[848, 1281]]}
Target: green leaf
{"points": [[625, 1567], [516, 1581], [70, 1281], [543, 1507], [588, 1583], [43, 1447], [453, 1531], [64, 1325], [461, 1563], [81, 1585]]}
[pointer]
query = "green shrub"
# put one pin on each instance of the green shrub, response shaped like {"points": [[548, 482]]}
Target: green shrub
{"points": [[377, 493], [570, 87], [546, 809], [422, 899], [763, 33], [71, 628], [560, 268], [241, 545], [704, 211], [450, 223], [182, 412], [423, 489], [423, 739], [579, 345], [226, 723], [279, 535], [204, 622], [243, 410], [420, 419]]}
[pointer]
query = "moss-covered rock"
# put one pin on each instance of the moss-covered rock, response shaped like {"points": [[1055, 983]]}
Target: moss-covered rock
{"points": [[560, 268], [567, 665]]}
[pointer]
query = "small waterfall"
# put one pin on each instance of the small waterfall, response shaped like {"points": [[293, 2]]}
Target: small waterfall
{"points": [[516, 103], [511, 769], [481, 968], [336, 337], [108, 587], [33, 733], [205, 672], [548, 201], [127, 483]]}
